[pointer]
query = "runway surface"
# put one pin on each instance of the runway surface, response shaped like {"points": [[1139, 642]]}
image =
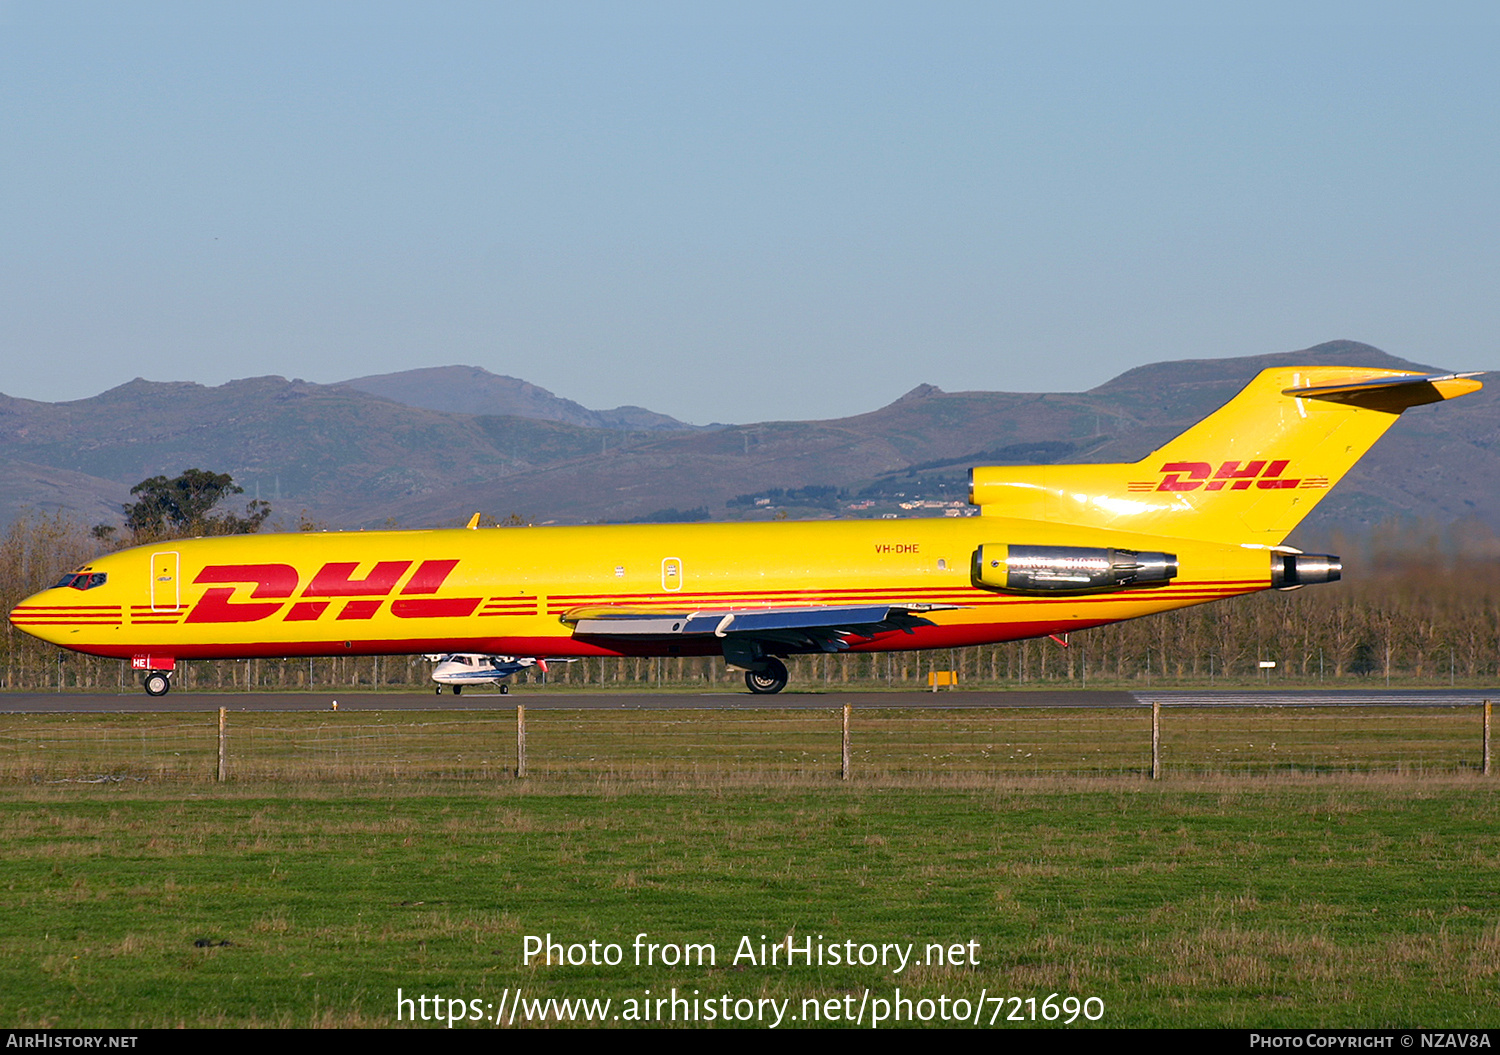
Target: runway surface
{"points": [[553, 699]]}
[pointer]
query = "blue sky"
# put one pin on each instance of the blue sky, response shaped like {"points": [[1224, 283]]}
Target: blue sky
{"points": [[739, 212]]}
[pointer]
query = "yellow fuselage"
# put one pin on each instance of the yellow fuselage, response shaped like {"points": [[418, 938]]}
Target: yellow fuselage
{"points": [[509, 591]]}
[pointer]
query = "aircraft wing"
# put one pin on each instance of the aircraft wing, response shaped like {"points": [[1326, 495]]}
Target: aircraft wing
{"points": [[821, 628]]}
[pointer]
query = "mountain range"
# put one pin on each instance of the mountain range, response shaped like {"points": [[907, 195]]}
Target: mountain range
{"points": [[429, 447], [473, 390]]}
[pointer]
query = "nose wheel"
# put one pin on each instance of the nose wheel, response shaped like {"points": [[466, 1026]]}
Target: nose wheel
{"points": [[769, 679]]}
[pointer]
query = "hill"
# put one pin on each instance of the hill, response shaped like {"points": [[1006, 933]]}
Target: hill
{"points": [[474, 390], [351, 456]]}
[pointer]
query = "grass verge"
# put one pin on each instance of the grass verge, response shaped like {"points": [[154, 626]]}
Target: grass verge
{"points": [[1356, 901]]}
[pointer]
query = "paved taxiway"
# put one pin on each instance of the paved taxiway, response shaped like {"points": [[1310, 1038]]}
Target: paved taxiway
{"points": [[553, 699]]}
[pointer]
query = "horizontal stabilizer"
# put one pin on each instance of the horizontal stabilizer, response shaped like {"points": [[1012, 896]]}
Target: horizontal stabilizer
{"points": [[1391, 394]]}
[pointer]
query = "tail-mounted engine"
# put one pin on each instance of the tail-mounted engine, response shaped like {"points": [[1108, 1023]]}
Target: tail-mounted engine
{"points": [[1069, 569], [1290, 571]]}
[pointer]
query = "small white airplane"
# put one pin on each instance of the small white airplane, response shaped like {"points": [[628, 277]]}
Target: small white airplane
{"points": [[457, 669]]}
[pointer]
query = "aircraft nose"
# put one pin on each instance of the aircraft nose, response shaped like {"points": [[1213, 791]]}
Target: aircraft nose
{"points": [[32, 616], [34, 601]]}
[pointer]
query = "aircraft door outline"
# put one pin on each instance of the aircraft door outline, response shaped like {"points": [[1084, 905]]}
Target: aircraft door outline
{"points": [[166, 593], [671, 574]]}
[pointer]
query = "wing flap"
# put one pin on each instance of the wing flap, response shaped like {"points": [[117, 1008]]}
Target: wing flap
{"points": [[748, 622]]}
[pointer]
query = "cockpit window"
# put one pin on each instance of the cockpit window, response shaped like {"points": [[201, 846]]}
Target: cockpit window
{"points": [[81, 580]]}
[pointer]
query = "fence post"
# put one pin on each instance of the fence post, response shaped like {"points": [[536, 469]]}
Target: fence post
{"points": [[223, 744], [1485, 768], [844, 769], [1155, 740], [520, 740]]}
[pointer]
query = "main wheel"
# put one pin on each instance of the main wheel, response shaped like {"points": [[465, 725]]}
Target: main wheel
{"points": [[458, 690], [157, 683], [771, 679], [504, 690]]}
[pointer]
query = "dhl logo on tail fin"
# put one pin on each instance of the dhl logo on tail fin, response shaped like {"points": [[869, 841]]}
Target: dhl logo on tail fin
{"points": [[1249, 472]]}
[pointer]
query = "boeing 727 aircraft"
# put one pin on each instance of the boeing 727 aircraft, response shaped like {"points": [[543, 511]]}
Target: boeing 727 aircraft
{"points": [[1057, 548]]}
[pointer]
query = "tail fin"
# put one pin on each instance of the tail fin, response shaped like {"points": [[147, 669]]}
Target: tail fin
{"points": [[1249, 472]]}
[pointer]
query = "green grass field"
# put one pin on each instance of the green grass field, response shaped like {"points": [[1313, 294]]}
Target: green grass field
{"points": [[342, 862], [755, 746]]}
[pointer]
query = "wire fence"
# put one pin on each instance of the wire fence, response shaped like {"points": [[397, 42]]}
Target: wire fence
{"points": [[744, 746], [1019, 664]]}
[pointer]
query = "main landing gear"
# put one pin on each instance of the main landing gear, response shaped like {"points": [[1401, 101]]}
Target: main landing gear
{"points": [[157, 683], [770, 678]]}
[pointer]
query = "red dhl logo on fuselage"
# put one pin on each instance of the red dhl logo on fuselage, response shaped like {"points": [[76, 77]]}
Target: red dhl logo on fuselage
{"points": [[275, 585], [1262, 474], [1197, 474]]}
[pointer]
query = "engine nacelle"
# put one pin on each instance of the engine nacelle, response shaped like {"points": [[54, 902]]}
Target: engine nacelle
{"points": [[1291, 570], [1069, 569]]}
